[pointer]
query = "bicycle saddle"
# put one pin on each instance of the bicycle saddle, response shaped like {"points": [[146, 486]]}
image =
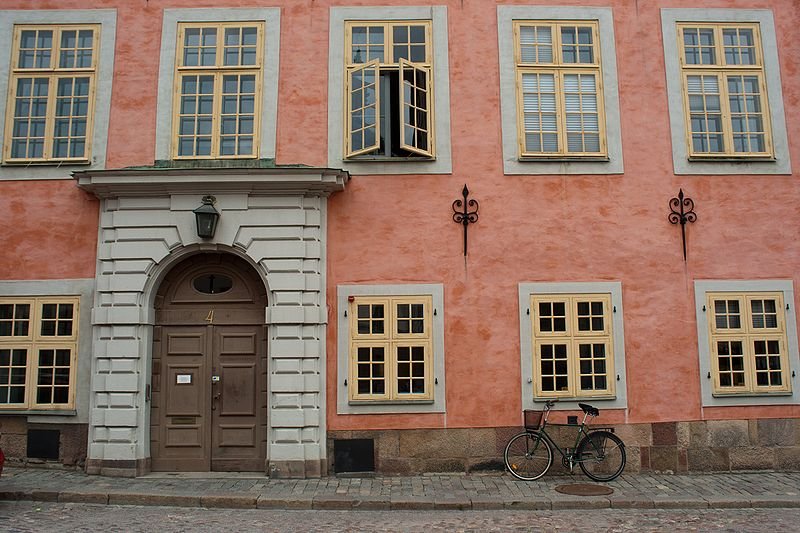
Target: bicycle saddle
{"points": [[589, 410]]}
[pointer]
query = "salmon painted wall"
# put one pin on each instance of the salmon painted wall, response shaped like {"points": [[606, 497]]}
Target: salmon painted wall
{"points": [[398, 229]]}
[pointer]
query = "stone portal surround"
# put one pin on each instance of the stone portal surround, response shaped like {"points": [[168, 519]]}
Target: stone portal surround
{"points": [[667, 447], [272, 218]]}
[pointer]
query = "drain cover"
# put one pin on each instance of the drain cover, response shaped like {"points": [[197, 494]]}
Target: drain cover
{"points": [[584, 489]]}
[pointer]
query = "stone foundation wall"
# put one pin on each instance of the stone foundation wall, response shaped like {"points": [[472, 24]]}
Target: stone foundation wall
{"points": [[14, 442], [669, 447]]}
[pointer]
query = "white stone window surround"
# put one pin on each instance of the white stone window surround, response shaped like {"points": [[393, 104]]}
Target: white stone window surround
{"points": [[506, 15], [166, 72], [107, 18], [442, 164], [436, 291], [84, 289], [772, 76], [614, 288], [701, 287]]}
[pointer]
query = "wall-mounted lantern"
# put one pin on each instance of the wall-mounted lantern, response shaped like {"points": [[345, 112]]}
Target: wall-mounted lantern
{"points": [[207, 218]]}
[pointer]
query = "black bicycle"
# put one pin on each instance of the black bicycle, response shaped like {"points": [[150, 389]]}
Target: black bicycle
{"points": [[598, 451]]}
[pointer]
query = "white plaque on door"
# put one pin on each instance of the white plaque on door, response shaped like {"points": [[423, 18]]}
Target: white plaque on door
{"points": [[183, 379]]}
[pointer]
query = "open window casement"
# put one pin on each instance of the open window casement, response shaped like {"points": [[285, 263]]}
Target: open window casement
{"points": [[363, 93], [415, 105]]}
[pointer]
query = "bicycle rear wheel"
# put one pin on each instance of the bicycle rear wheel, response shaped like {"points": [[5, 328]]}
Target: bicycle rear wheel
{"points": [[601, 455], [528, 456]]}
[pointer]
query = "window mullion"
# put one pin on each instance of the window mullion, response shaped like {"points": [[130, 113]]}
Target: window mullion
{"points": [[216, 107], [50, 114], [561, 113]]}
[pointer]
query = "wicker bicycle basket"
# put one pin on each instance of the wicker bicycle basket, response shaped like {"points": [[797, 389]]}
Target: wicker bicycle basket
{"points": [[533, 419]]}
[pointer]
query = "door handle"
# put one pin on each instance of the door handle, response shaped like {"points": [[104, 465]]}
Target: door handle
{"points": [[214, 379]]}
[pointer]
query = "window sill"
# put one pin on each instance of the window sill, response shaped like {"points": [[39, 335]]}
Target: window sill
{"points": [[562, 159], [732, 159], [381, 159], [750, 394], [365, 403], [35, 412], [48, 163]]}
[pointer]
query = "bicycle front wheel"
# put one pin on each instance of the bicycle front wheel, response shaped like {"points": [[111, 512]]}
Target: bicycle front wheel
{"points": [[528, 456], [601, 455]]}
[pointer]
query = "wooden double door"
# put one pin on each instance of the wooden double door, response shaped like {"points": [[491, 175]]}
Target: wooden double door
{"points": [[209, 398]]}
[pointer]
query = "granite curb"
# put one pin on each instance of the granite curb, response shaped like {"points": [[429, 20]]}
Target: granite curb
{"points": [[342, 502]]}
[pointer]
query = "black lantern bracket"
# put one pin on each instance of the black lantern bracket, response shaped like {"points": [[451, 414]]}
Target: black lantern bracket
{"points": [[206, 217], [465, 212], [681, 212]]}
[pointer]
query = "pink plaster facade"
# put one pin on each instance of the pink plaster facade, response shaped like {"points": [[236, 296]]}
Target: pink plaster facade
{"points": [[395, 229]]}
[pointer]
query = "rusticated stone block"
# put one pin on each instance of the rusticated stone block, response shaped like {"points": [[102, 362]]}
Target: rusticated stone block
{"points": [[13, 425], [644, 459], [665, 434], [400, 467], [682, 431], [777, 432], [502, 436], [787, 458], [481, 442], [635, 434], [445, 465], [633, 459], [728, 433], [664, 458], [15, 445], [698, 435], [387, 444], [435, 444], [486, 464], [708, 459], [748, 458]]}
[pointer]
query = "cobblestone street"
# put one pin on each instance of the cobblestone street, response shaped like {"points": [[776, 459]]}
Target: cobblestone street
{"points": [[43, 516]]}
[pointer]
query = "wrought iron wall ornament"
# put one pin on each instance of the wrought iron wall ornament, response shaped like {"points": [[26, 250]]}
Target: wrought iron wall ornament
{"points": [[465, 212], [681, 212]]}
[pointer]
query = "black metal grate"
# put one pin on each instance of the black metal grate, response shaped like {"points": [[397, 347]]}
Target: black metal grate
{"points": [[353, 455], [43, 443]]}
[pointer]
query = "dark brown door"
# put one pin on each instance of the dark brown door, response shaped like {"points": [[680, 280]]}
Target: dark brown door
{"points": [[208, 410]]}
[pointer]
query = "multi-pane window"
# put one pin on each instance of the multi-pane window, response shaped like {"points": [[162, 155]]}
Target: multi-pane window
{"points": [[724, 90], [572, 345], [51, 96], [559, 89], [748, 343], [390, 348], [218, 90], [38, 340], [388, 90]]}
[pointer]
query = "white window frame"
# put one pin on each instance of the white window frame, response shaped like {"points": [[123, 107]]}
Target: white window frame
{"points": [[612, 288], [344, 324], [512, 162], [442, 162], [270, 17], [107, 19], [709, 399], [781, 164]]}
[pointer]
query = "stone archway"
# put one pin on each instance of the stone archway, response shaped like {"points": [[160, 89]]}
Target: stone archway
{"points": [[209, 371]]}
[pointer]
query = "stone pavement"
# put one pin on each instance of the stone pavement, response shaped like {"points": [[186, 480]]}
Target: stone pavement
{"points": [[430, 491]]}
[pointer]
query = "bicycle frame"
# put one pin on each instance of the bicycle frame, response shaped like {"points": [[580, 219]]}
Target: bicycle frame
{"points": [[569, 454]]}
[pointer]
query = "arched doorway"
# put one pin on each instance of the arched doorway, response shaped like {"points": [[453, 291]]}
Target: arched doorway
{"points": [[209, 385]]}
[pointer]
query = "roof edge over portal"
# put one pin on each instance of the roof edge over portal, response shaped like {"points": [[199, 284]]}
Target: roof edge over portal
{"points": [[170, 180]]}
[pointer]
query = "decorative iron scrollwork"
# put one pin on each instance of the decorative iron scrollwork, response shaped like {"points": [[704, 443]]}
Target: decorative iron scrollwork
{"points": [[681, 212], [465, 212]]}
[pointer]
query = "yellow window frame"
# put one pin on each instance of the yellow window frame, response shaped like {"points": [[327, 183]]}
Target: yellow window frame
{"points": [[558, 69], [36, 341], [388, 63], [52, 74], [218, 71], [721, 70], [748, 334], [390, 340], [572, 339]]}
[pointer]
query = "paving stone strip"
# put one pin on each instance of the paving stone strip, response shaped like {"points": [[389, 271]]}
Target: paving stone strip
{"points": [[434, 491]]}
